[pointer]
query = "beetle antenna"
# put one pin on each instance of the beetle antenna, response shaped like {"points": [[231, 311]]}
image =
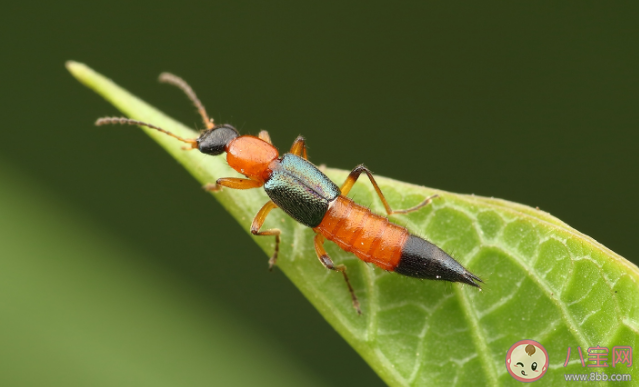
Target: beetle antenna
{"points": [[128, 121], [181, 83]]}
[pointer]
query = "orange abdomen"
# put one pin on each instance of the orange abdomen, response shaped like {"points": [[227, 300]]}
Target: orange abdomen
{"points": [[372, 238]]}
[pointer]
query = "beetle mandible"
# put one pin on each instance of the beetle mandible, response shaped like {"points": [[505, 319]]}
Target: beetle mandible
{"points": [[307, 195]]}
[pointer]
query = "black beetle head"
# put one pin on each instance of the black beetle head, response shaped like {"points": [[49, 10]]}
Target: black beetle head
{"points": [[213, 142]]}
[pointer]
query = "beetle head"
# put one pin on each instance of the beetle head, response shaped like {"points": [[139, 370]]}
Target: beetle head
{"points": [[213, 142]]}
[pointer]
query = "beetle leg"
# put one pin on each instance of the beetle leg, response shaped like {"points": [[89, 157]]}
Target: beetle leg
{"points": [[232, 182], [354, 175], [257, 224], [328, 263], [264, 136], [299, 147]]}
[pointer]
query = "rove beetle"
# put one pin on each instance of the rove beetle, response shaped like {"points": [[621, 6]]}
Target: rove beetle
{"points": [[301, 190]]}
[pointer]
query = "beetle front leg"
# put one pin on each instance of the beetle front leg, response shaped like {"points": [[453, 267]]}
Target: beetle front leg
{"points": [[264, 136], [232, 182], [257, 224]]}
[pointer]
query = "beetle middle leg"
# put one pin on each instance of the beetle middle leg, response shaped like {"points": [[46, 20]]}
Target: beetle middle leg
{"points": [[328, 263], [258, 221], [299, 147], [354, 175]]}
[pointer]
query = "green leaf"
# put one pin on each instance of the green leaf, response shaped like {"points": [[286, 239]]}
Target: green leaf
{"points": [[543, 280]]}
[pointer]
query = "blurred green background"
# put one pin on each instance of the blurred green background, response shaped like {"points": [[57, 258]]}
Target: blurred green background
{"points": [[116, 269]]}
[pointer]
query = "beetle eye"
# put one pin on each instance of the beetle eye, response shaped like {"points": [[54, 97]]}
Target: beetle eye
{"points": [[534, 366]]}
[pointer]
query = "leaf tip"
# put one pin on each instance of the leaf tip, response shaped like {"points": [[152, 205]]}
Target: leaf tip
{"points": [[75, 67], [80, 71]]}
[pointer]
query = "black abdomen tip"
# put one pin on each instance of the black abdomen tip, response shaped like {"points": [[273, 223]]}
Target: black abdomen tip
{"points": [[422, 259]]}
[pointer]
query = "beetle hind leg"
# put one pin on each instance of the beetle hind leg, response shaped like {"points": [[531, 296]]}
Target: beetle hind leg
{"points": [[328, 263], [354, 175]]}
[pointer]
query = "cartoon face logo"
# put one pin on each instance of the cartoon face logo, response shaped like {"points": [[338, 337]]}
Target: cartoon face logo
{"points": [[527, 361]]}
